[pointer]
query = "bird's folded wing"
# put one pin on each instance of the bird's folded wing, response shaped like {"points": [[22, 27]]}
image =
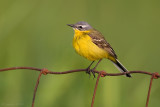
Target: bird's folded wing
{"points": [[99, 40]]}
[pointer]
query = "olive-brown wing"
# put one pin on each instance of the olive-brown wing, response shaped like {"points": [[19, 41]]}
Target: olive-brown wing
{"points": [[100, 41]]}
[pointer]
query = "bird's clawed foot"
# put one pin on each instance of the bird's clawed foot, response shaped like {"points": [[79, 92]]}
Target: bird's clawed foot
{"points": [[89, 71]]}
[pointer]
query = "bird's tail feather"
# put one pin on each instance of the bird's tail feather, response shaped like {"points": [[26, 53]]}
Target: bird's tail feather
{"points": [[120, 67]]}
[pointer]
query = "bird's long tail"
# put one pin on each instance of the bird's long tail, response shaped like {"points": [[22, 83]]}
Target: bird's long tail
{"points": [[121, 67]]}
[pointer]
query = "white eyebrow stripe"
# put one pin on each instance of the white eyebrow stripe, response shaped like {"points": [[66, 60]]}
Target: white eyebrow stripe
{"points": [[84, 25]]}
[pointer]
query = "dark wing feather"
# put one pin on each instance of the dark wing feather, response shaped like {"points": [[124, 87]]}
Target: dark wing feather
{"points": [[100, 41]]}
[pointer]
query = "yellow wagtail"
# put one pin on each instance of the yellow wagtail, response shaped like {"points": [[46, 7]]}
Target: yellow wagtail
{"points": [[91, 44]]}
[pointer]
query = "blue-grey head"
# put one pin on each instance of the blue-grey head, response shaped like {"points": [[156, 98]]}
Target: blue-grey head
{"points": [[82, 26]]}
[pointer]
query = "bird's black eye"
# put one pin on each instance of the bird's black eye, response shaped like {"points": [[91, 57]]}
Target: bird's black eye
{"points": [[80, 27]]}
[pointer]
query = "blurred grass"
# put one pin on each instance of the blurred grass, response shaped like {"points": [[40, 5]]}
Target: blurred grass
{"points": [[34, 33]]}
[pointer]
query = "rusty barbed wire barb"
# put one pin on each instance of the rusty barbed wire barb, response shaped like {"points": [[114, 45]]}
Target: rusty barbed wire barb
{"points": [[156, 75], [44, 71]]}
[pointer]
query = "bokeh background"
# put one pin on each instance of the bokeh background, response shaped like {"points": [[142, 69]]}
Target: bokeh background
{"points": [[34, 33]]}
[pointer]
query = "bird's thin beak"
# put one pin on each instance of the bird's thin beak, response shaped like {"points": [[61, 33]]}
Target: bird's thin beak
{"points": [[71, 25]]}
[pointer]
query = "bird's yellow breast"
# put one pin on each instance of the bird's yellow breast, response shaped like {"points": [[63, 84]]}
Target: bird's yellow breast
{"points": [[84, 46]]}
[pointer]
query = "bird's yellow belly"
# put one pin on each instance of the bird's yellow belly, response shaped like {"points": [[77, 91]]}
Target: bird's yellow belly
{"points": [[86, 48]]}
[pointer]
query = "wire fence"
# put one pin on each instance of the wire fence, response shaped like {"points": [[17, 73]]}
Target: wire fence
{"points": [[45, 71]]}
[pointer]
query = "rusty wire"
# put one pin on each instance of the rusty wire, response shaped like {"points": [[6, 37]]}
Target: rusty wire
{"points": [[100, 74]]}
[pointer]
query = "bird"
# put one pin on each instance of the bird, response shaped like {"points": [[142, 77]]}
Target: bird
{"points": [[91, 44]]}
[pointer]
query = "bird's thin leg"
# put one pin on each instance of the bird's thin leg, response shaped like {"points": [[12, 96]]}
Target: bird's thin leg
{"points": [[88, 69], [92, 70]]}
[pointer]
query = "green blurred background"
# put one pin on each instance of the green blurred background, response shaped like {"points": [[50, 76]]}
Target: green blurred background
{"points": [[34, 33]]}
